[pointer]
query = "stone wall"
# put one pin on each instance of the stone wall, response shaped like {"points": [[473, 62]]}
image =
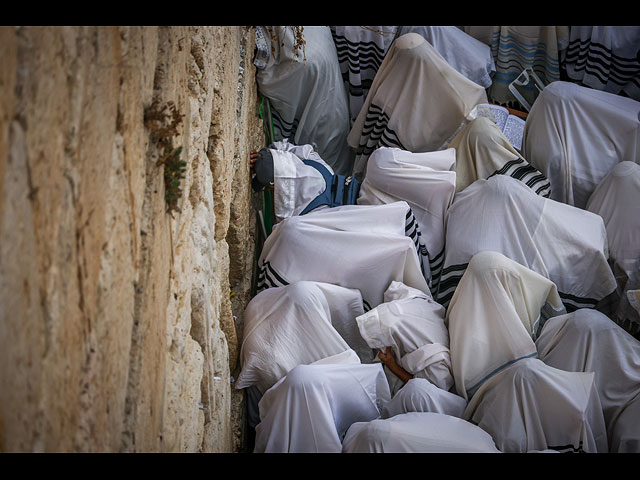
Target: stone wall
{"points": [[119, 318]]}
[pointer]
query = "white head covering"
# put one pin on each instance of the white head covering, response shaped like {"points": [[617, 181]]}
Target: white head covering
{"points": [[482, 150], [418, 433], [587, 341], [357, 246], [307, 93], [412, 324], [417, 102], [565, 244], [530, 406], [575, 135], [426, 181], [493, 317], [467, 55], [297, 324], [310, 409]]}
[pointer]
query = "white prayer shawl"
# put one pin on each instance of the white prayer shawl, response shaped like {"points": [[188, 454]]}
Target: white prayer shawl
{"points": [[575, 135], [420, 395], [298, 324], [515, 48], [565, 244], [605, 58], [418, 433], [482, 151], [493, 317], [357, 246], [412, 324], [530, 406], [306, 92], [417, 102], [587, 341], [361, 50], [426, 181], [295, 184], [467, 55], [617, 200], [310, 409]]}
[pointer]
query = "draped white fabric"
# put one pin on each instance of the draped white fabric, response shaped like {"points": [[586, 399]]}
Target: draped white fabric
{"points": [[469, 56], [530, 406], [482, 150], [412, 324], [297, 324], [426, 181], [418, 433], [307, 94], [587, 341], [575, 135], [311, 408], [493, 318], [358, 246], [417, 102], [565, 244], [420, 395]]}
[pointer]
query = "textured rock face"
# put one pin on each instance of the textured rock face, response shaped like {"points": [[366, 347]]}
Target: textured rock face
{"points": [[117, 328]]}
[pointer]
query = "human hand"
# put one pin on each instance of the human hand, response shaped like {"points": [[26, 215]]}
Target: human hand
{"points": [[253, 156], [387, 356]]}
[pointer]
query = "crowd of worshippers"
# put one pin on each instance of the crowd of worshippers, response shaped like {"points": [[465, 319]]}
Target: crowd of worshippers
{"points": [[427, 286]]}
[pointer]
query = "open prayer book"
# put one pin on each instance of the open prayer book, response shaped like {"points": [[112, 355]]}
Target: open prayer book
{"points": [[511, 125]]}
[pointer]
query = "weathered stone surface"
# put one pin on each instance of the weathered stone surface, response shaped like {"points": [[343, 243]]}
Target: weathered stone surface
{"points": [[119, 321]]}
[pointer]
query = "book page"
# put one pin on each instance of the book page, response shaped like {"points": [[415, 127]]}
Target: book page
{"points": [[514, 130], [494, 112]]}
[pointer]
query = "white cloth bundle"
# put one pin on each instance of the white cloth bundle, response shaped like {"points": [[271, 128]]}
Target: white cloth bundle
{"points": [[587, 341], [311, 408], [298, 324], [494, 316], [417, 102], [306, 91], [565, 244], [575, 135], [358, 246], [530, 406], [426, 181], [418, 433], [412, 324], [467, 55]]}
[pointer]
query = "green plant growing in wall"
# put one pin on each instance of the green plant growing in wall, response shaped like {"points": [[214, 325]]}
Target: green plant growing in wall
{"points": [[163, 122]]}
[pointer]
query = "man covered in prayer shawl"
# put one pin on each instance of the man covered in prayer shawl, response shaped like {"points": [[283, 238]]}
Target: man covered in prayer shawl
{"points": [[524, 404], [361, 50], [411, 323], [357, 246], [311, 408], [426, 181], [302, 181], [469, 56], [482, 151], [417, 432], [298, 71], [565, 244], [617, 200], [515, 48], [605, 58], [293, 325], [587, 341], [575, 135], [417, 102]]}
